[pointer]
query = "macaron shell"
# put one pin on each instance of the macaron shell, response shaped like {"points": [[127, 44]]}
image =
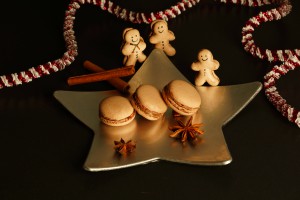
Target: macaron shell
{"points": [[151, 98], [116, 111], [182, 97], [185, 93], [147, 101]]}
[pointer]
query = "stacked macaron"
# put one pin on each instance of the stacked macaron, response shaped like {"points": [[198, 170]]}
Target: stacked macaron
{"points": [[147, 101], [182, 97], [116, 111], [150, 103]]}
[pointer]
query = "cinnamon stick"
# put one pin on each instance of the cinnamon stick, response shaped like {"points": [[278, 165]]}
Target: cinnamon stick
{"points": [[118, 83], [102, 75]]}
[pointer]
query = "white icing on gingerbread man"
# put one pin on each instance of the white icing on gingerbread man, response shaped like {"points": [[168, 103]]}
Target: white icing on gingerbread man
{"points": [[161, 36], [206, 66], [133, 47]]}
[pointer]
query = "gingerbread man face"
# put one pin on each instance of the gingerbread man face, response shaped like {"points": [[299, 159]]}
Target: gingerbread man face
{"points": [[205, 56], [160, 27], [132, 36]]}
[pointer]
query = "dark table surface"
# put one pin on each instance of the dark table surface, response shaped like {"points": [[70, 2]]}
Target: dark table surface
{"points": [[43, 147]]}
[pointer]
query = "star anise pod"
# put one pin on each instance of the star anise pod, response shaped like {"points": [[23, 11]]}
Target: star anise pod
{"points": [[185, 132], [123, 147]]}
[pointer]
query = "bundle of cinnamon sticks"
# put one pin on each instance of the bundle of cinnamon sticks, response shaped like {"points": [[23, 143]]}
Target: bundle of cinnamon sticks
{"points": [[100, 74]]}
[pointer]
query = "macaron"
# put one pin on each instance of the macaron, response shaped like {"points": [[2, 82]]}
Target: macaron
{"points": [[182, 97], [116, 111], [148, 102]]}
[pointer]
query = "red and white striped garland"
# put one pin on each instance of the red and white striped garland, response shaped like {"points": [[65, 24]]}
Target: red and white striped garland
{"points": [[273, 95], [289, 58]]}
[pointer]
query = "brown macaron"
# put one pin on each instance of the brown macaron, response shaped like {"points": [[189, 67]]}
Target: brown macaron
{"points": [[182, 97], [116, 111], [148, 102]]}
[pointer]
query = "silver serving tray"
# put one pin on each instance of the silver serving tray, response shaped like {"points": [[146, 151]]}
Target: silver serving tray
{"points": [[219, 105]]}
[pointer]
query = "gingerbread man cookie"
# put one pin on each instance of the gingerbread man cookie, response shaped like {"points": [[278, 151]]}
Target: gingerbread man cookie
{"points": [[161, 36], [206, 66], [133, 47]]}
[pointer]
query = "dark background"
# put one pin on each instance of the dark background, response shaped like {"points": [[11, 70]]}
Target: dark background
{"points": [[43, 147]]}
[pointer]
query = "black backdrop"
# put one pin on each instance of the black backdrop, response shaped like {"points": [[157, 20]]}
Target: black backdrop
{"points": [[43, 147]]}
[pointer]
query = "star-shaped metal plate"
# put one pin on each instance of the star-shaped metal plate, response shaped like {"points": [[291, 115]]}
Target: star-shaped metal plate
{"points": [[219, 105]]}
